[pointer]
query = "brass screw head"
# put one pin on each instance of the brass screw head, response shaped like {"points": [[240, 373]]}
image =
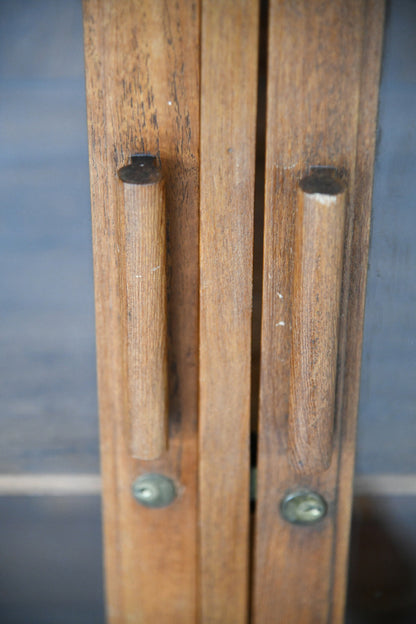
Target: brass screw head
{"points": [[154, 490], [303, 507]]}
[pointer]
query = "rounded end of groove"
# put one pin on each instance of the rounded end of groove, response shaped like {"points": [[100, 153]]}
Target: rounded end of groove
{"points": [[144, 169]]}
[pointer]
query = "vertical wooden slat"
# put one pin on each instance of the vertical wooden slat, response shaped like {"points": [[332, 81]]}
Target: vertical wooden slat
{"points": [[323, 73], [353, 329], [142, 78], [228, 113]]}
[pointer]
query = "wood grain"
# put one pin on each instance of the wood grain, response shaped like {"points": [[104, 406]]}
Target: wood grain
{"points": [[228, 115], [317, 273], [323, 73], [144, 249], [354, 301], [142, 78]]}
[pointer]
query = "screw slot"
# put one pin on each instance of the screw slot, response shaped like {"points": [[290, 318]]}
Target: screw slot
{"points": [[146, 493]]}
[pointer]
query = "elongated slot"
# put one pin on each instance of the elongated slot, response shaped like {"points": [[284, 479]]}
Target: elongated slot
{"points": [[146, 323], [319, 243]]}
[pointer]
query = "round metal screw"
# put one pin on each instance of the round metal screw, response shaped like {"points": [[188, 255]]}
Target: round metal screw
{"points": [[154, 490], [303, 507]]}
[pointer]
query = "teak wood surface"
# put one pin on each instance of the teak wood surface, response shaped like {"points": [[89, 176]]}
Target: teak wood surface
{"points": [[323, 74], [190, 562], [228, 117], [142, 80]]}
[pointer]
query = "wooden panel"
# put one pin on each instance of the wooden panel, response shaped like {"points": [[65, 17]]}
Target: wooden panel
{"points": [[142, 64], [228, 113], [323, 74]]}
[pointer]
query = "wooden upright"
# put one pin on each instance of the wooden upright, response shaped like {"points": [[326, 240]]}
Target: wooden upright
{"points": [[142, 78], [173, 264], [228, 105], [322, 91]]}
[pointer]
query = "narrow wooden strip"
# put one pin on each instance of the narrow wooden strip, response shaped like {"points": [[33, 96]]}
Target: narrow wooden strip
{"points": [[228, 114], [319, 53], [318, 252], [142, 78], [146, 319], [353, 329]]}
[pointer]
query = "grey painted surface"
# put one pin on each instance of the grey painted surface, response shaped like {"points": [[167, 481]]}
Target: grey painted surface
{"points": [[48, 413], [387, 424], [50, 553]]}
